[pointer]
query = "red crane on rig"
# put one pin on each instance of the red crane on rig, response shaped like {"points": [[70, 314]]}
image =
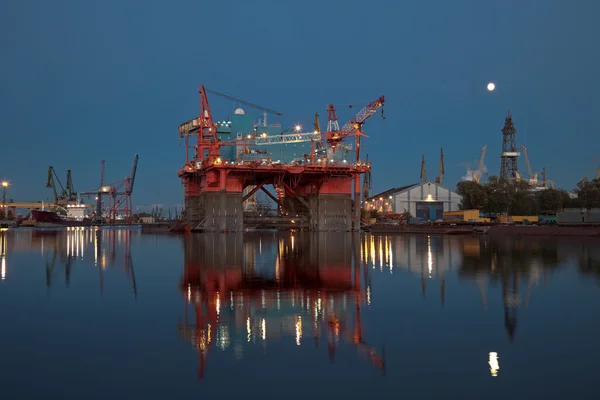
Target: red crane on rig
{"points": [[208, 143]]}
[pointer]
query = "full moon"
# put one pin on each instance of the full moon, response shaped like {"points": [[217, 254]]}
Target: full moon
{"points": [[491, 86]]}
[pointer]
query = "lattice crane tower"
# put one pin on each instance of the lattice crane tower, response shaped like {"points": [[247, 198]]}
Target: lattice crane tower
{"points": [[508, 165]]}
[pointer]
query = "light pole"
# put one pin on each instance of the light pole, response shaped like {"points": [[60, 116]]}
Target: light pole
{"points": [[4, 186]]}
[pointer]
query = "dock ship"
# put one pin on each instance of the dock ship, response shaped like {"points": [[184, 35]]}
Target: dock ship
{"points": [[76, 216]]}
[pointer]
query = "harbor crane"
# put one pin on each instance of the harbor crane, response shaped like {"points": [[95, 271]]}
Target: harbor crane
{"points": [[62, 196], [585, 178], [440, 178], [423, 169], [533, 176], [119, 194], [477, 174]]}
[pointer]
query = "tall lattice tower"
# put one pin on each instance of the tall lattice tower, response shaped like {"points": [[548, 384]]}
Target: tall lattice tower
{"points": [[509, 156]]}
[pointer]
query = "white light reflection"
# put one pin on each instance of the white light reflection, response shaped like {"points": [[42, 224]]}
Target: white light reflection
{"points": [[95, 248], [372, 252], [263, 329], [298, 330], [494, 365], [218, 304], [248, 329], [3, 248], [391, 254], [429, 256], [380, 255]]}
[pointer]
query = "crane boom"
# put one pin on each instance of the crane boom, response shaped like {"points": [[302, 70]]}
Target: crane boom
{"points": [[70, 188], [482, 159], [477, 174], [527, 163], [51, 183], [354, 125], [440, 178], [256, 106], [133, 171]]}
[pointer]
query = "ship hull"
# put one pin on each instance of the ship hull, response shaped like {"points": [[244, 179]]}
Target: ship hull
{"points": [[50, 219]]}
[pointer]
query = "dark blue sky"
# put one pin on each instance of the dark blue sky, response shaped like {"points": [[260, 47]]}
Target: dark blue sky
{"points": [[82, 81]]}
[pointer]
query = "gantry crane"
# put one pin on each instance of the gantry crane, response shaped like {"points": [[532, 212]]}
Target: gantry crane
{"points": [[479, 172], [119, 193]]}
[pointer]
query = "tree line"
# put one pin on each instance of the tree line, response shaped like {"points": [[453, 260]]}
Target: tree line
{"points": [[500, 196]]}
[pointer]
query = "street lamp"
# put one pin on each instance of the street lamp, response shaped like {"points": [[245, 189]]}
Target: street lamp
{"points": [[4, 186]]}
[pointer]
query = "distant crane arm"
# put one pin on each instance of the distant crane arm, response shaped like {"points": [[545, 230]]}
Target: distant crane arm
{"points": [[133, 172]]}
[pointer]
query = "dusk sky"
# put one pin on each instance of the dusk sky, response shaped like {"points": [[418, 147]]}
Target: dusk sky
{"points": [[85, 81]]}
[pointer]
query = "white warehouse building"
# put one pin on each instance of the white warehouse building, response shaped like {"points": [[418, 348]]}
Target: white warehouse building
{"points": [[425, 200]]}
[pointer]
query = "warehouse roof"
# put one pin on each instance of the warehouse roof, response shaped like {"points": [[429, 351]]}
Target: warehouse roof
{"points": [[392, 192]]}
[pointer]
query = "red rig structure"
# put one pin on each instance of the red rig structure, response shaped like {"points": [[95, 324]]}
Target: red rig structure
{"points": [[313, 192]]}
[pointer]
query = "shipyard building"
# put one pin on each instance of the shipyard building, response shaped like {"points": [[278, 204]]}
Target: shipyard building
{"points": [[425, 200]]}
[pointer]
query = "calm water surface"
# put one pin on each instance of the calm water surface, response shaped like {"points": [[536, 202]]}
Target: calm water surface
{"points": [[118, 314]]}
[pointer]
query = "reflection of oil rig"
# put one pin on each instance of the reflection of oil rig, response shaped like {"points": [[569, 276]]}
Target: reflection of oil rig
{"points": [[73, 244], [309, 292], [510, 263]]}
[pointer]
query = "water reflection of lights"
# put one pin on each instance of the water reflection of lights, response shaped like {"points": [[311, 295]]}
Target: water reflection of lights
{"points": [[248, 330], [493, 362], [426, 255], [3, 247], [429, 256], [298, 330]]}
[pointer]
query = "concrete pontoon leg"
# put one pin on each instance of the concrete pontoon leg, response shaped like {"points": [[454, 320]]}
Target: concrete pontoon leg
{"points": [[222, 218], [356, 218]]}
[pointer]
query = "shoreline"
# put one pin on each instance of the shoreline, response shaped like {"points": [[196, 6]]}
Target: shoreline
{"points": [[492, 230]]}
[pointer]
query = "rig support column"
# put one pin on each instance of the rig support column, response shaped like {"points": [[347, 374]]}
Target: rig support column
{"points": [[222, 200], [356, 225]]}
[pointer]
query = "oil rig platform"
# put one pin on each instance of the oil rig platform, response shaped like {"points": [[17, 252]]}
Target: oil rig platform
{"points": [[226, 166]]}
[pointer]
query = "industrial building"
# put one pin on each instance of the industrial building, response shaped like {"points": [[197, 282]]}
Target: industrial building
{"points": [[425, 200]]}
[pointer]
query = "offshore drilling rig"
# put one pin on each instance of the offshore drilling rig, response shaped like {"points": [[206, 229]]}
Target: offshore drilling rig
{"points": [[314, 191]]}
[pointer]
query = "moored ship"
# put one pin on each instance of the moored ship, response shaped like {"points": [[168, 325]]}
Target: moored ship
{"points": [[76, 216]]}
